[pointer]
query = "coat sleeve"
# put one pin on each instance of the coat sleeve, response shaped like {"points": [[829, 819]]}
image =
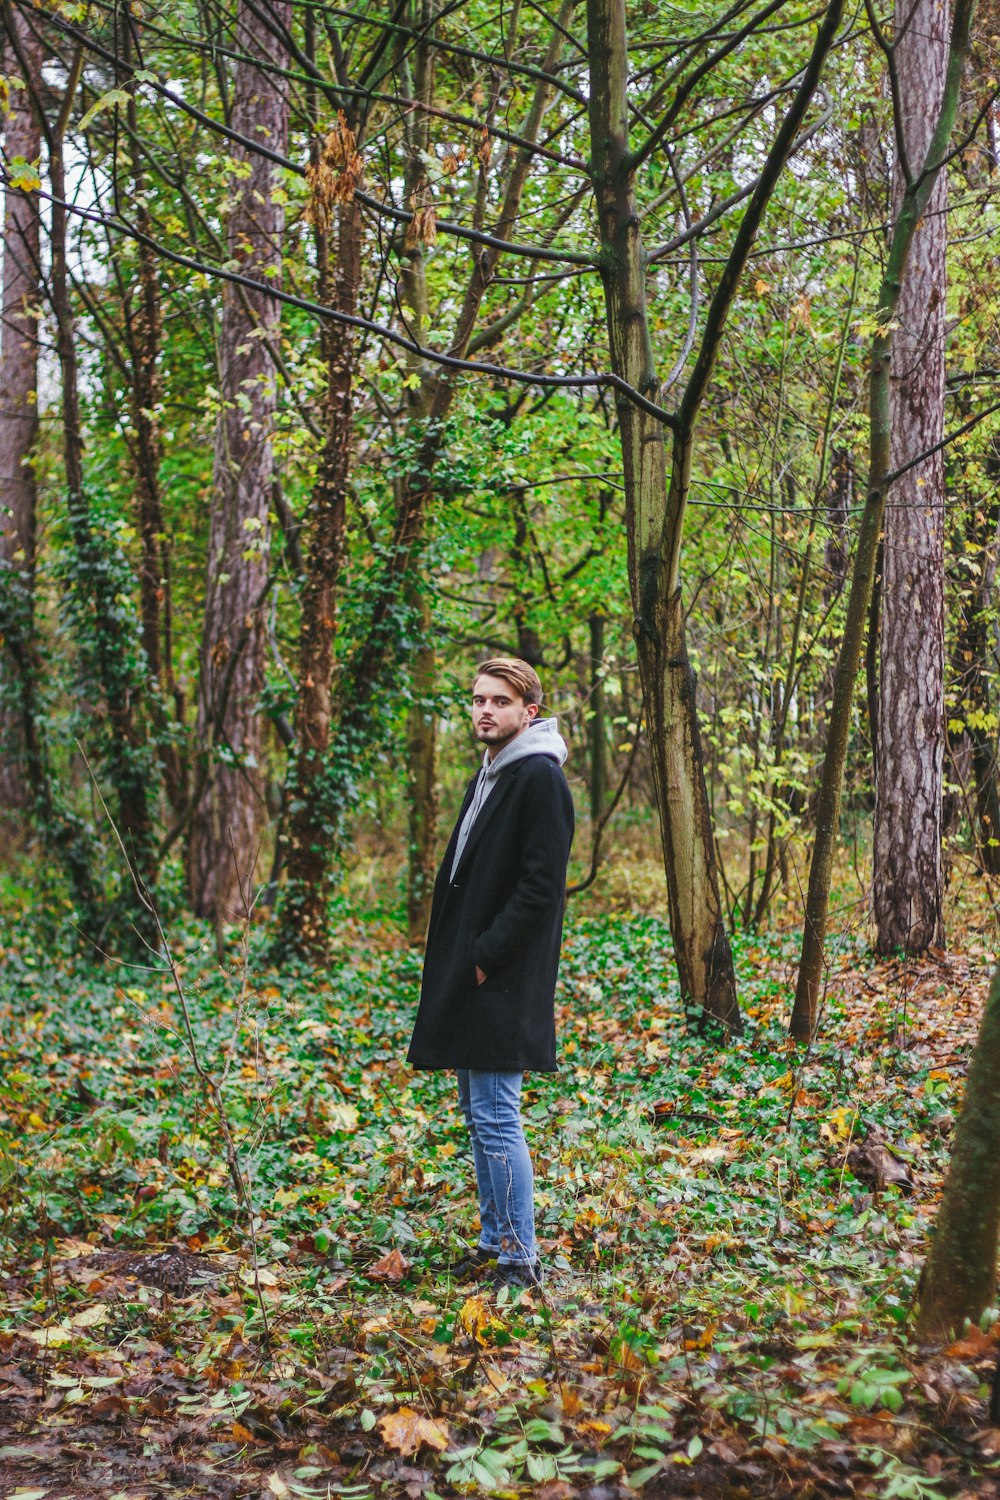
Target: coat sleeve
{"points": [[546, 816]]}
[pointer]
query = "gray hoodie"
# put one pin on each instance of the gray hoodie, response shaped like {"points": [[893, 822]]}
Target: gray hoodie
{"points": [[542, 737]]}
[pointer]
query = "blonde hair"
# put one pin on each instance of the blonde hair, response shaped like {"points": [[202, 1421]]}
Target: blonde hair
{"points": [[522, 677]]}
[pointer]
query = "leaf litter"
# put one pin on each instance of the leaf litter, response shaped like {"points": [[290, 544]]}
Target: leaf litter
{"points": [[732, 1239]]}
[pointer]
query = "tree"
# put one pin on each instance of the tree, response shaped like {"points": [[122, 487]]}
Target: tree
{"points": [[921, 176], [229, 813], [656, 505], [960, 1275], [908, 883], [19, 418], [331, 789]]}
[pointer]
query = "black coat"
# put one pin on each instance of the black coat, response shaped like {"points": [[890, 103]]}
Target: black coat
{"points": [[503, 912]]}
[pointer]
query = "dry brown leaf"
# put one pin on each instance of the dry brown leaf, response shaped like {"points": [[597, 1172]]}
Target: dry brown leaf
{"points": [[392, 1267], [406, 1430], [973, 1345]]}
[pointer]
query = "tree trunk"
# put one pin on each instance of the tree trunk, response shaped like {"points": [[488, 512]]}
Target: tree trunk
{"points": [[143, 330], [421, 712], [98, 577], [701, 945], [919, 187], [65, 835], [597, 734], [315, 816], [228, 819], [960, 1275], [655, 514], [908, 877], [421, 773], [976, 566], [370, 664], [19, 431]]}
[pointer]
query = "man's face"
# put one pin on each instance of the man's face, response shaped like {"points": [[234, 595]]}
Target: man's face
{"points": [[499, 715]]}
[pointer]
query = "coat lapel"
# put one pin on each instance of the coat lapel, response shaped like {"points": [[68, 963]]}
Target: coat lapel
{"points": [[486, 812]]}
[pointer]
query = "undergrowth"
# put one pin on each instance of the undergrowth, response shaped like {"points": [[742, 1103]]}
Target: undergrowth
{"points": [[726, 1303]]}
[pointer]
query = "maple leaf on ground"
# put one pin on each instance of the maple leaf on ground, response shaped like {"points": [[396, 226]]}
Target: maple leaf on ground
{"points": [[406, 1430], [392, 1267], [974, 1345]]}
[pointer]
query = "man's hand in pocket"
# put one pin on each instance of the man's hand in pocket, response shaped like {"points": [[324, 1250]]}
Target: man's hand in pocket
{"points": [[480, 975]]}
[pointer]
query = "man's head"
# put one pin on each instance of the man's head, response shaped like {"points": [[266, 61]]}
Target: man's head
{"points": [[505, 699]]}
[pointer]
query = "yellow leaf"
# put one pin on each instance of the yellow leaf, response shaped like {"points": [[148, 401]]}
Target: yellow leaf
{"points": [[48, 1338], [477, 1318], [839, 1126], [570, 1400], [263, 1276], [91, 1317], [405, 1431]]}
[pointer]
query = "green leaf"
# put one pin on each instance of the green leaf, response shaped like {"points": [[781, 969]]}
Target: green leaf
{"points": [[23, 175], [111, 100]]}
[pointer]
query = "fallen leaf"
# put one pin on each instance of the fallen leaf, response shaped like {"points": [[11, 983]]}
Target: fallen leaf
{"points": [[91, 1317], [48, 1338], [405, 1431], [973, 1345], [570, 1400], [263, 1276], [391, 1267], [478, 1319]]}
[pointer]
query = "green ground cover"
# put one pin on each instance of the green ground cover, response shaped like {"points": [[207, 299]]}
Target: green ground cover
{"points": [[729, 1273]]}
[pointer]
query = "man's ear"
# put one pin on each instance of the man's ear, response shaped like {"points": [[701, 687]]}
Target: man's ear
{"points": [[531, 709]]}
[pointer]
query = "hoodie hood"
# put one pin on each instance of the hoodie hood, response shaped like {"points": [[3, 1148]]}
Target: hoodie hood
{"points": [[542, 737]]}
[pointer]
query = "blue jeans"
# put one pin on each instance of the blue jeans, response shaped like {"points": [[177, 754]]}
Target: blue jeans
{"points": [[491, 1104]]}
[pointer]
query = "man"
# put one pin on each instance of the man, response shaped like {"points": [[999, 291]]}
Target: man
{"points": [[487, 997]]}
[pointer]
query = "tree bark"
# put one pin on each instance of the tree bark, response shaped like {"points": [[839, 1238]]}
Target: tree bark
{"points": [[314, 817], [597, 734], [973, 672], [908, 889], [421, 712], [19, 429], [228, 819], [98, 577], [960, 1275], [919, 187], [421, 774], [143, 332]]}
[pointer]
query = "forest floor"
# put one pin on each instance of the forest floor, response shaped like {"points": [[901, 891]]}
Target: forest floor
{"points": [[732, 1235]]}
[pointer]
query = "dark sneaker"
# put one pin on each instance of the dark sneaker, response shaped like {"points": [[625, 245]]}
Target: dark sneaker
{"points": [[522, 1274], [469, 1263]]}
